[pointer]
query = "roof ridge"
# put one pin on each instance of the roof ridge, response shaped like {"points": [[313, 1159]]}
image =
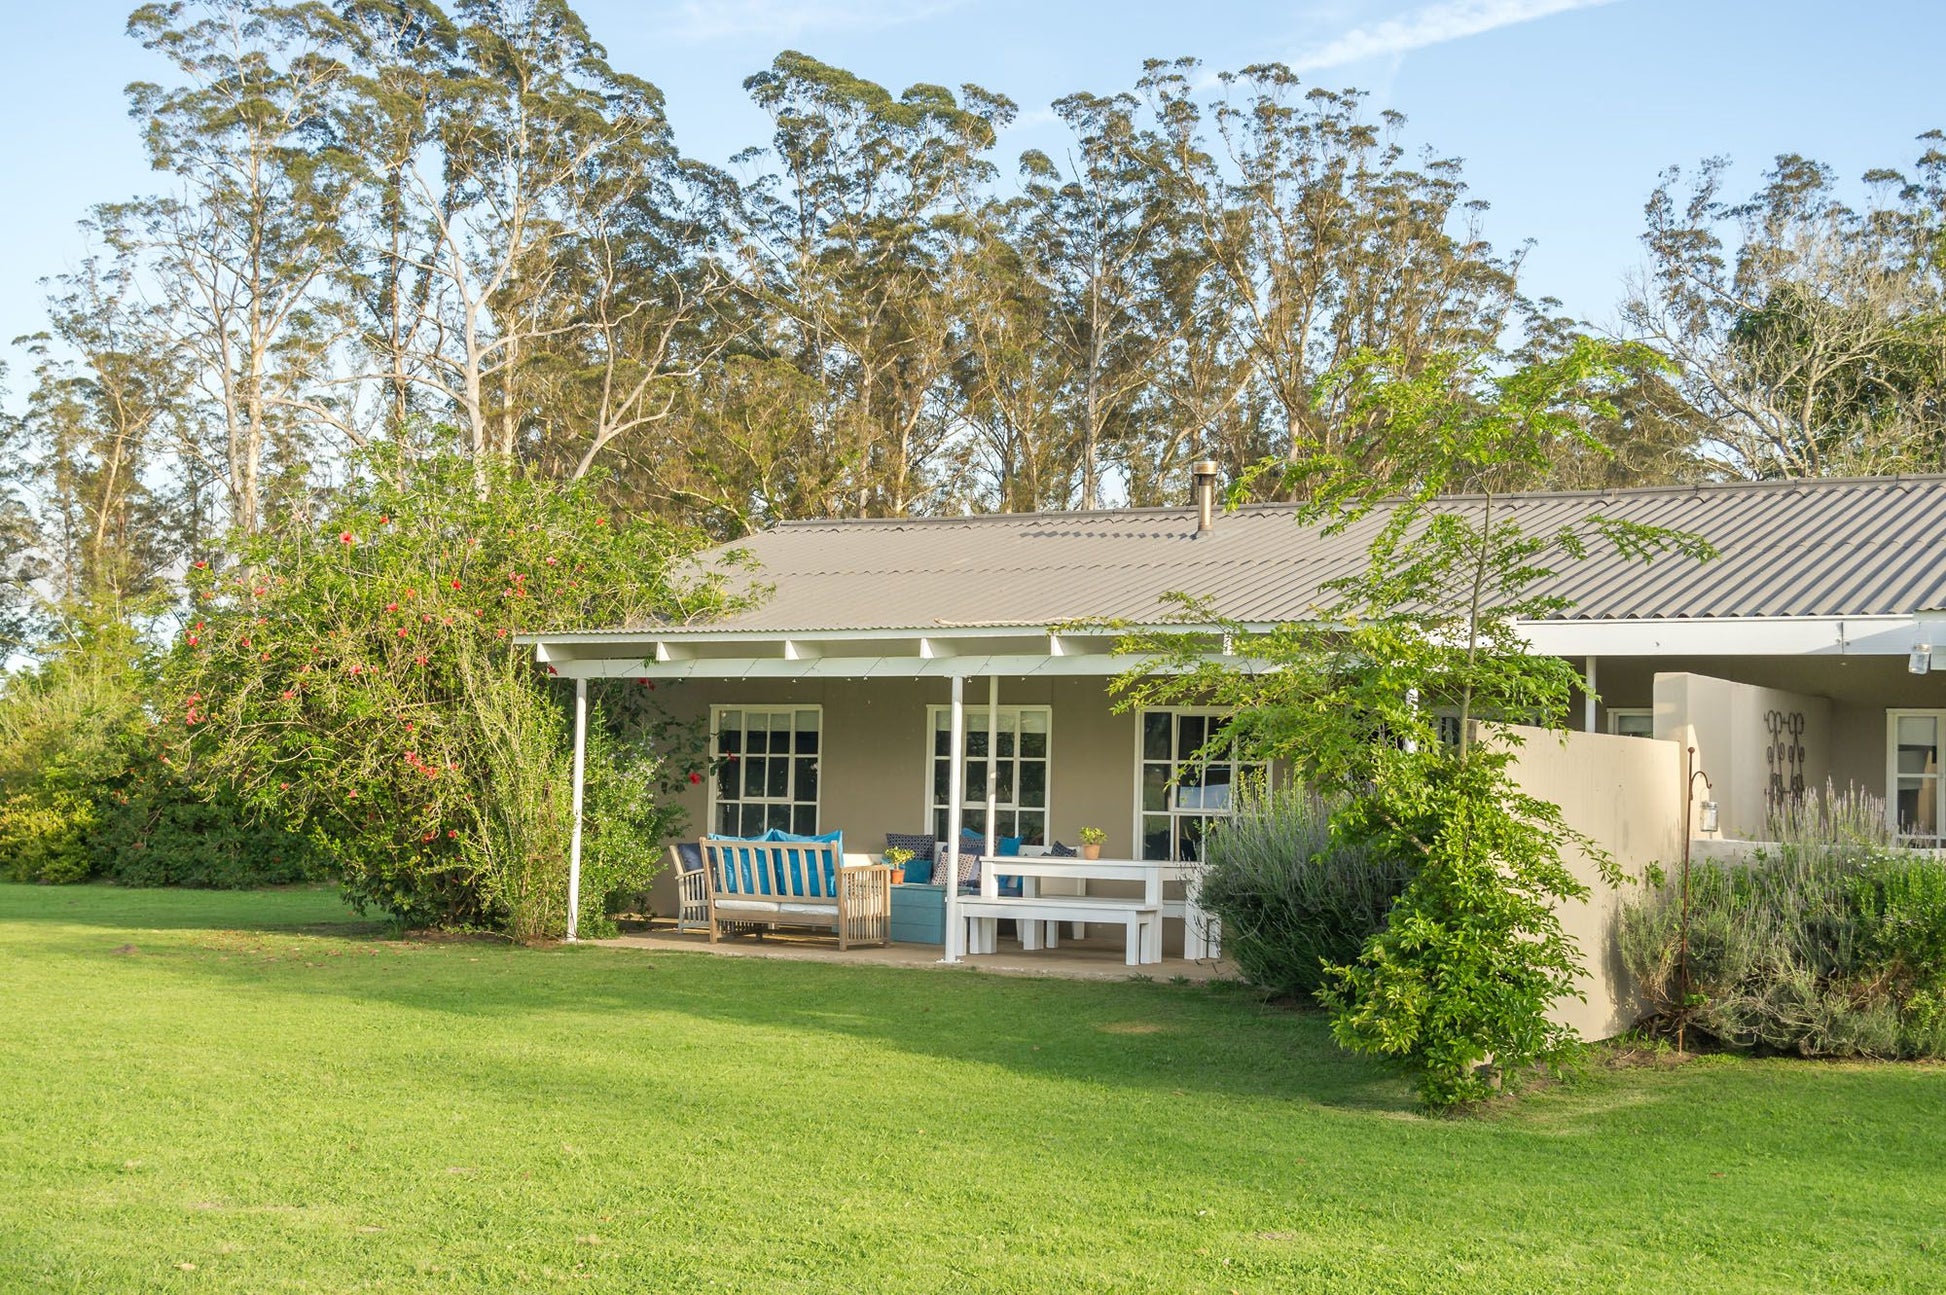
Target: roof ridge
{"points": [[1689, 488]]}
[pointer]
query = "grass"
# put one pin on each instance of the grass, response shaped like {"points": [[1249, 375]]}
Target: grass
{"points": [[253, 1092]]}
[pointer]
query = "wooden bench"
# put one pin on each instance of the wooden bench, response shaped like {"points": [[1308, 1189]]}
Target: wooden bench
{"points": [[797, 883], [1141, 919]]}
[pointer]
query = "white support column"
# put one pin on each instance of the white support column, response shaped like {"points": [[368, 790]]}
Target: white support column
{"points": [[1588, 698], [580, 783], [956, 744], [993, 764]]}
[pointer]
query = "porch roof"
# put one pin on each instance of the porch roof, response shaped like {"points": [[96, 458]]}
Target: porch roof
{"points": [[1804, 567]]}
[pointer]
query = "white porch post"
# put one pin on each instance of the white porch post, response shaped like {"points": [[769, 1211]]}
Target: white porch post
{"points": [[1588, 698], [580, 780], [955, 769], [993, 764]]}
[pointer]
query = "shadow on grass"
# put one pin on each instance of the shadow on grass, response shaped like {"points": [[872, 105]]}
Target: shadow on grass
{"points": [[1174, 1039], [314, 909]]}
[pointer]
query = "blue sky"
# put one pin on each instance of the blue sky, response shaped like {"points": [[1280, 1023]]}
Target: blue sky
{"points": [[1564, 110]]}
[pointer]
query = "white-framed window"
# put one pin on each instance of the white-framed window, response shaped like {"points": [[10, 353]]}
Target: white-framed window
{"points": [[765, 767], [1023, 740], [1913, 786], [1631, 721], [1176, 796]]}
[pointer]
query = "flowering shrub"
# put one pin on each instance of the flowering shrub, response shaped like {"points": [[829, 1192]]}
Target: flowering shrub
{"points": [[356, 675]]}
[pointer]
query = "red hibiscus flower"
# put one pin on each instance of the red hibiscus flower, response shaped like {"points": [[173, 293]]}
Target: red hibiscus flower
{"points": [[694, 777], [346, 537]]}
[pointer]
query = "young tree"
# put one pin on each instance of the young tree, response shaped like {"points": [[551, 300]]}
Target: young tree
{"points": [[1459, 982]]}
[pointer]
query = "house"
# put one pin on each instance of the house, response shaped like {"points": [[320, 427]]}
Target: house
{"points": [[1800, 654]]}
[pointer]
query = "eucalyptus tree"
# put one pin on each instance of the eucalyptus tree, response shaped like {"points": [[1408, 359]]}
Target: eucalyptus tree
{"points": [[1100, 229], [95, 439], [241, 248], [1810, 335], [861, 252], [1330, 243]]}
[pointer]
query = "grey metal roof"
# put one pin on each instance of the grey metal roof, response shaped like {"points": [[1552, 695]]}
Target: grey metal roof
{"points": [[1801, 548]]}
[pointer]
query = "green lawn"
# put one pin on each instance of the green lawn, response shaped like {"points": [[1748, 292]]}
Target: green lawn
{"points": [[253, 1092]]}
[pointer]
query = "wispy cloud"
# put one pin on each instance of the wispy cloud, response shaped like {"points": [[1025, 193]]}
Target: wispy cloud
{"points": [[705, 20], [1434, 24]]}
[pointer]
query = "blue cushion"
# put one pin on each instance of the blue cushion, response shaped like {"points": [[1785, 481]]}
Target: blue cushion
{"points": [[750, 881], [918, 872], [1008, 845]]}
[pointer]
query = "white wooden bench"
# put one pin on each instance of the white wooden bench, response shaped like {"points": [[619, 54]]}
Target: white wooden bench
{"points": [[982, 913], [797, 883]]}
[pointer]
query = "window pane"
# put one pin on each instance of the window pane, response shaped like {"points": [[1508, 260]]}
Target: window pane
{"points": [[1155, 736], [1030, 826], [807, 721], [806, 742], [1635, 725], [1918, 744], [1005, 791], [1155, 836], [807, 779], [1006, 746], [976, 741], [753, 775], [729, 741], [726, 780], [1194, 731], [1155, 787], [779, 817], [942, 741], [726, 819], [1189, 836], [976, 782], [940, 772], [1918, 801], [778, 783], [758, 740], [1033, 783], [1033, 735], [804, 819], [752, 823]]}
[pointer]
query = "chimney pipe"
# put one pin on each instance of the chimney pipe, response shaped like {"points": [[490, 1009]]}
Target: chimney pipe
{"points": [[1202, 475]]}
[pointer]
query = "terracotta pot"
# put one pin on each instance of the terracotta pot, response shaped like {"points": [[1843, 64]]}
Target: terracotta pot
{"points": [[1091, 852]]}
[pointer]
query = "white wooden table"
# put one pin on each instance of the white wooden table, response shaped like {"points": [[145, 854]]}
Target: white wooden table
{"points": [[1199, 930]]}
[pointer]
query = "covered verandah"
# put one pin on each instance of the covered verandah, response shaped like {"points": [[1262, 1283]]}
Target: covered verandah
{"points": [[981, 671]]}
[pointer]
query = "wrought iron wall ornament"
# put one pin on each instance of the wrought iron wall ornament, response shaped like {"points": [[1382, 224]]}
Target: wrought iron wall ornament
{"points": [[1785, 756]]}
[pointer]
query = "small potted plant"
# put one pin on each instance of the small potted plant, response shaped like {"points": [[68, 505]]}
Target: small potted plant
{"points": [[896, 858], [1091, 839]]}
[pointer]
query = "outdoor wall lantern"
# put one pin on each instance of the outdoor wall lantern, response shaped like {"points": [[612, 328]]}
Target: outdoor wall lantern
{"points": [[1920, 662]]}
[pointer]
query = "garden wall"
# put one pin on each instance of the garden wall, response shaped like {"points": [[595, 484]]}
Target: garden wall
{"points": [[1625, 794], [1754, 743]]}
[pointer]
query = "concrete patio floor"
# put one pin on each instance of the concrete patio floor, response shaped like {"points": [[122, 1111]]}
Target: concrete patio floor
{"points": [[1092, 959]]}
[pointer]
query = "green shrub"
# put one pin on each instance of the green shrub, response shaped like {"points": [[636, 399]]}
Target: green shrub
{"points": [[44, 837], [1292, 900], [355, 675], [158, 828], [1830, 941]]}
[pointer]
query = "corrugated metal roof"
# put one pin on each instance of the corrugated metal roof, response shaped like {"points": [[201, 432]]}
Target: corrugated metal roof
{"points": [[1801, 548]]}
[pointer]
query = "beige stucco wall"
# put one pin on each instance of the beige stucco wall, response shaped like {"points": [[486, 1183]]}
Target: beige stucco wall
{"points": [[1730, 727], [1625, 794]]}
